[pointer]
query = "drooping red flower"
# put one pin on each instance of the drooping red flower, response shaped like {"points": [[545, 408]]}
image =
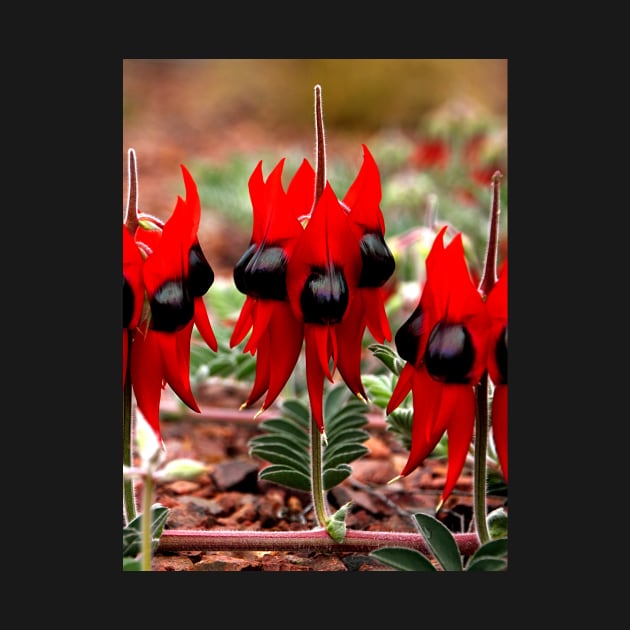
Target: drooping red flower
{"points": [[175, 275], [367, 309], [133, 292], [444, 343], [321, 283], [322, 276], [497, 307], [260, 274]]}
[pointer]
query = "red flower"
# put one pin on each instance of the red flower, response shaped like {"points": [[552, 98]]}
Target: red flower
{"points": [[444, 342], [175, 276], [133, 292], [321, 283], [497, 307], [261, 275]]}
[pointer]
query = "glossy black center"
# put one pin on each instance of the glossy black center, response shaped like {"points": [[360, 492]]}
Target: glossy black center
{"points": [[450, 354], [200, 273], [378, 262], [407, 338], [324, 298], [261, 272], [172, 306]]}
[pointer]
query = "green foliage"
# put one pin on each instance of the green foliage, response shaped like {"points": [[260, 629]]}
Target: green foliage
{"points": [[132, 536], [491, 556], [285, 441]]}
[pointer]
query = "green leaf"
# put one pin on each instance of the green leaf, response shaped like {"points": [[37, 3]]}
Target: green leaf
{"points": [[486, 563], [387, 356], [289, 440], [403, 559], [132, 533], [283, 426], [336, 523], [343, 454], [347, 435], [335, 398], [441, 542], [280, 454], [332, 477], [131, 564], [498, 523], [296, 410], [286, 476], [492, 550]]}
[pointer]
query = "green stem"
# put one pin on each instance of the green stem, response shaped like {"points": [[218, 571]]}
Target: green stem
{"points": [[147, 502], [129, 498], [480, 465], [482, 420], [317, 478]]}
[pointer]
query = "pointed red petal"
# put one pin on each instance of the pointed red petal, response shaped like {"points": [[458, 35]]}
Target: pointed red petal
{"points": [[364, 196], [286, 334], [175, 352], [146, 376], [349, 334], [316, 368], [243, 323], [203, 324], [261, 316], [263, 371], [402, 388], [428, 426], [461, 424], [500, 425], [301, 191], [377, 322]]}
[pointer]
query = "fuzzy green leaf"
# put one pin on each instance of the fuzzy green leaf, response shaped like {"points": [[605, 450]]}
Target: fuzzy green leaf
{"points": [[281, 454], [286, 476], [489, 555], [486, 563], [132, 533], [282, 426], [335, 399], [294, 409], [441, 542], [403, 559], [388, 356], [286, 439], [343, 454], [334, 476], [336, 524]]}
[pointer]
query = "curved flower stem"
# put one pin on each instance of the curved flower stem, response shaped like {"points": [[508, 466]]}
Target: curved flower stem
{"points": [[480, 465], [320, 144], [482, 420], [129, 499], [147, 501], [317, 480]]}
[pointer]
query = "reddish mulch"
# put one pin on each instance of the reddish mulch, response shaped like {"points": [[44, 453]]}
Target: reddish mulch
{"points": [[229, 495]]}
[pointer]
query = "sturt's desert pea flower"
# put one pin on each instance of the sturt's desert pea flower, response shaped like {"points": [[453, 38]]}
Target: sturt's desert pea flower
{"points": [[175, 276], [497, 306], [260, 274], [313, 273], [444, 343]]}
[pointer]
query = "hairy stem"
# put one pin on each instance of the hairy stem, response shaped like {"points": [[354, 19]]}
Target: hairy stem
{"points": [[129, 499], [354, 541]]}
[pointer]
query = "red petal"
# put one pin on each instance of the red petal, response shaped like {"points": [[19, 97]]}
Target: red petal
{"points": [[402, 388], [175, 352], [500, 425], [349, 335], [316, 369], [243, 323], [203, 324], [364, 196], [460, 400], [301, 191], [286, 334], [377, 322], [146, 376]]}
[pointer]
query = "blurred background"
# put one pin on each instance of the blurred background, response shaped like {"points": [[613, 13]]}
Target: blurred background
{"points": [[437, 129]]}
